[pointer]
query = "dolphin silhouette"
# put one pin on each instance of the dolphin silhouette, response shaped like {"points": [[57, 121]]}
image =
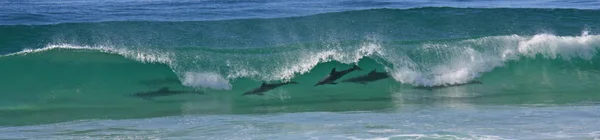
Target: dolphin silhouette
{"points": [[370, 77], [446, 86], [334, 75], [163, 92], [266, 87]]}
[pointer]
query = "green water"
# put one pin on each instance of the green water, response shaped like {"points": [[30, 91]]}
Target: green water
{"points": [[62, 85]]}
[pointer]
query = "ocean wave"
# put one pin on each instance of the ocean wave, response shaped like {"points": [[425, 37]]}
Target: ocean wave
{"points": [[427, 63]]}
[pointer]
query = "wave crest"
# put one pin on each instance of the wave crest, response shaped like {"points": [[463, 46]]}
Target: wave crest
{"points": [[551, 46], [463, 61], [145, 56]]}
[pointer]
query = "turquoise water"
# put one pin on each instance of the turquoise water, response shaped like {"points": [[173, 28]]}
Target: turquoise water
{"points": [[74, 73]]}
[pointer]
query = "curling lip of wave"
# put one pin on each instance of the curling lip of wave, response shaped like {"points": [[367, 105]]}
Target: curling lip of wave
{"points": [[144, 57]]}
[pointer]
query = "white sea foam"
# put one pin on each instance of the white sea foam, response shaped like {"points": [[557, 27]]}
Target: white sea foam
{"points": [[308, 60], [147, 56], [437, 136], [465, 60], [567, 47], [206, 80], [303, 65]]}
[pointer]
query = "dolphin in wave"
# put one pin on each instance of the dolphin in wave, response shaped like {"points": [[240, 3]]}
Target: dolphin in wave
{"points": [[334, 75], [370, 77], [445, 86], [163, 92], [264, 87]]}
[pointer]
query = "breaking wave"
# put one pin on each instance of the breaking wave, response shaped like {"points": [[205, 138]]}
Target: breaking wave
{"points": [[427, 63]]}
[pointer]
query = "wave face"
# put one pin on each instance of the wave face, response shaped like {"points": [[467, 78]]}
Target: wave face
{"points": [[543, 56]]}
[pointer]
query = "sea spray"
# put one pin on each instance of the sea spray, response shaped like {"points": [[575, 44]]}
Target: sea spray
{"points": [[207, 80]]}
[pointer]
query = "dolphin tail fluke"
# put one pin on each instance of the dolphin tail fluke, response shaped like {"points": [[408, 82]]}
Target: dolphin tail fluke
{"points": [[355, 67]]}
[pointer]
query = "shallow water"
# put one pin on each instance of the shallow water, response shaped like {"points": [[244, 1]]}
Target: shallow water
{"points": [[449, 121]]}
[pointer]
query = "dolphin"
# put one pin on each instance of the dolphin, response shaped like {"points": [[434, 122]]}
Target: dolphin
{"points": [[266, 87], [334, 75], [445, 86], [370, 77], [163, 92]]}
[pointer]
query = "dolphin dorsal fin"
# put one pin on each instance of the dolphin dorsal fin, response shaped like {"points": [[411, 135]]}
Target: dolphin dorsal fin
{"points": [[373, 71], [332, 71], [164, 89], [263, 84]]}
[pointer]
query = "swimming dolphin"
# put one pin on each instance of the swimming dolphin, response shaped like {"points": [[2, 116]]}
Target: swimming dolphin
{"points": [[370, 77], [334, 75], [445, 86], [266, 87], [163, 92]]}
